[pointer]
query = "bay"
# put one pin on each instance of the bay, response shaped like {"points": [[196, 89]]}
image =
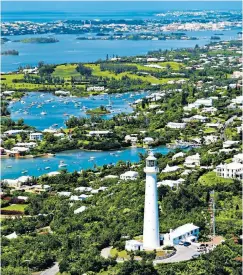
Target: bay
{"points": [[71, 50], [76, 160], [58, 109]]}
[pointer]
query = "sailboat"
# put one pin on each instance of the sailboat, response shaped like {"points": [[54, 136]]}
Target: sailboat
{"points": [[109, 105]]}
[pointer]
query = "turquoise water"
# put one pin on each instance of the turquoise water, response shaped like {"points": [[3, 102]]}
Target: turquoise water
{"points": [[75, 160], [57, 109]]}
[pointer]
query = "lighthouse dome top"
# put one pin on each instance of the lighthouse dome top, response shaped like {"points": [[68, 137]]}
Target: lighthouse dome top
{"points": [[151, 156]]}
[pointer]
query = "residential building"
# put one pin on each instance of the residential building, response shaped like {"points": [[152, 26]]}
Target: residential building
{"points": [[96, 88], [133, 245], [178, 155], [186, 232], [230, 170], [238, 158], [229, 143], [169, 169], [36, 136], [192, 161], [99, 133], [176, 125], [129, 175]]}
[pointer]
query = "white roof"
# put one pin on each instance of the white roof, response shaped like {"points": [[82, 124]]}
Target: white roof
{"points": [[83, 188], [232, 165], [130, 173], [50, 174], [179, 231], [80, 210], [24, 178], [64, 193], [36, 134], [12, 236]]}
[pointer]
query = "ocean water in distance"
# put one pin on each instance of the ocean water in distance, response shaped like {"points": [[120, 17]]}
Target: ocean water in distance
{"points": [[71, 50], [43, 11]]}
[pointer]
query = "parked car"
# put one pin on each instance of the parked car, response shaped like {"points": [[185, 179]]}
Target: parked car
{"points": [[186, 243], [181, 243], [195, 256]]}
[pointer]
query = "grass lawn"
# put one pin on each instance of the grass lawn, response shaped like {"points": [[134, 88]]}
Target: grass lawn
{"points": [[121, 254], [146, 78], [16, 207], [211, 179], [210, 130], [66, 71], [7, 82]]}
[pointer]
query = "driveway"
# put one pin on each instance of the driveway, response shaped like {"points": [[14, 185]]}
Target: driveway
{"points": [[51, 271], [182, 254]]}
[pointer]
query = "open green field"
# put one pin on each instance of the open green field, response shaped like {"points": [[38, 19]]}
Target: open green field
{"points": [[16, 207], [66, 71], [146, 78], [121, 254], [211, 179]]}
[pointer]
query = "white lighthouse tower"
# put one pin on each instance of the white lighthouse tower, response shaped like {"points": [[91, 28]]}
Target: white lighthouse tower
{"points": [[151, 239]]}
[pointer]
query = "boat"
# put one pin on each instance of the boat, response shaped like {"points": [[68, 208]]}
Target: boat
{"points": [[91, 158], [47, 168], [62, 164], [112, 154], [109, 105], [43, 113], [9, 166], [24, 172]]}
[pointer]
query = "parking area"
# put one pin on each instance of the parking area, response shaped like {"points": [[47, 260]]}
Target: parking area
{"points": [[183, 253]]}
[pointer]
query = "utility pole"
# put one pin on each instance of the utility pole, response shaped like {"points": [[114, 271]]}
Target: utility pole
{"points": [[212, 214]]}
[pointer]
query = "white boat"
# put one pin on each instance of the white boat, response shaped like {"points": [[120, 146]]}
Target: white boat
{"points": [[43, 113], [62, 164], [9, 166], [25, 171], [91, 158], [47, 168]]}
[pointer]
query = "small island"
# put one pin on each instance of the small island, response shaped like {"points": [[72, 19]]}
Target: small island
{"points": [[98, 111], [39, 40], [10, 52]]}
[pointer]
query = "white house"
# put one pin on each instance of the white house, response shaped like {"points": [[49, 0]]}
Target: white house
{"points": [[36, 136], [129, 175], [169, 169], [148, 140], [26, 144], [133, 245], [238, 100], [13, 132], [178, 155], [229, 143], [65, 93], [80, 210], [99, 133], [170, 183], [238, 158], [131, 138], [187, 232], [176, 125], [11, 236], [96, 88], [192, 161], [231, 170]]}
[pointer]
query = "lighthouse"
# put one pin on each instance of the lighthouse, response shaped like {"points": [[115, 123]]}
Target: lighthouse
{"points": [[151, 239]]}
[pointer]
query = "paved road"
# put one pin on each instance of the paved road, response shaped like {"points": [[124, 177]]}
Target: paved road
{"points": [[51, 271], [105, 252], [182, 254]]}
